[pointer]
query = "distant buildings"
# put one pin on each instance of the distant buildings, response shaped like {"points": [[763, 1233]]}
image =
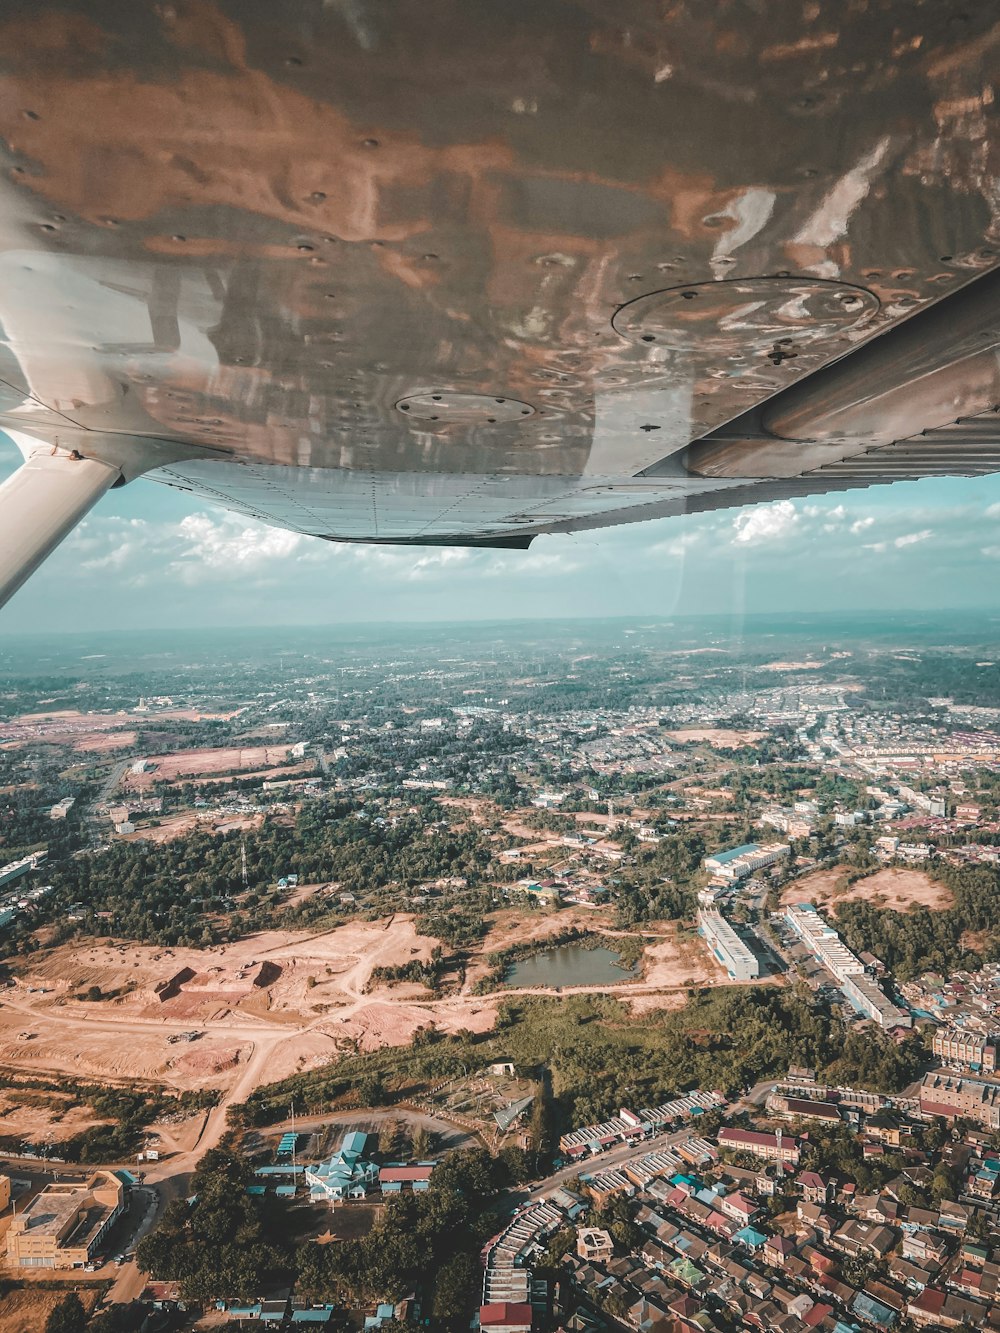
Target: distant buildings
{"points": [[956, 1047], [861, 991], [741, 861], [928, 802], [869, 999], [62, 808], [822, 941], [950, 1096], [15, 869], [63, 1225], [727, 947], [771, 1147]]}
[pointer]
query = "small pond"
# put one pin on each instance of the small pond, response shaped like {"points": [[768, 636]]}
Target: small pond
{"points": [[570, 965]]}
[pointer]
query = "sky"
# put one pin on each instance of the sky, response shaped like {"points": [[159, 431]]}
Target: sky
{"points": [[149, 557]]}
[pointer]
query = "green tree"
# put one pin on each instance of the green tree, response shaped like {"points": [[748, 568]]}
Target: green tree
{"points": [[68, 1316]]}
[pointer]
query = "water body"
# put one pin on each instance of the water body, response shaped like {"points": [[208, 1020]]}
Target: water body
{"points": [[570, 965]]}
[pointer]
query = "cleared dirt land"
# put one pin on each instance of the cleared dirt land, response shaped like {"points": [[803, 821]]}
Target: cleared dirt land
{"points": [[26, 1311], [178, 826], [206, 763], [718, 737], [895, 887], [279, 1002], [23, 1115]]}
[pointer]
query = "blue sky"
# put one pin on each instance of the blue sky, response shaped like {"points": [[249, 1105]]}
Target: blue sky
{"points": [[150, 557]]}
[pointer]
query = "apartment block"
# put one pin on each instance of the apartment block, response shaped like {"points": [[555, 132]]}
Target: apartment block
{"points": [[65, 1223]]}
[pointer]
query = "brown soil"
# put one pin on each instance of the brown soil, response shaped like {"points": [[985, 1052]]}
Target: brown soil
{"points": [[976, 940], [895, 887], [39, 1123], [196, 763], [718, 737], [178, 826], [115, 740], [27, 1311]]}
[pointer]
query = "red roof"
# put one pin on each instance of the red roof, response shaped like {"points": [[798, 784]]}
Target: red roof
{"points": [[742, 1204], [404, 1173], [757, 1137], [929, 1301], [818, 1110], [505, 1313]]}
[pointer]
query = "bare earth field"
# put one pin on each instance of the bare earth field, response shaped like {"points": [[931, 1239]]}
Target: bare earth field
{"points": [[38, 1123], [280, 1002], [26, 1311], [298, 996], [89, 731], [895, 887], [177, 826], [794, 666], [198, 763], [718, 737], [106, 741]]}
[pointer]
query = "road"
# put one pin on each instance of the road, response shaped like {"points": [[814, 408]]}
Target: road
{"points": [[110, 783]]}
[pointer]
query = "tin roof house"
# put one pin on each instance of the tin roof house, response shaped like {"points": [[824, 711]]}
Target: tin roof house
{"points": [[347, 1175]]}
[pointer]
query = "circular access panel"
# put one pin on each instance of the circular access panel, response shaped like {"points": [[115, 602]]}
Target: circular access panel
{"points": [[468, 408], [744, 316]]}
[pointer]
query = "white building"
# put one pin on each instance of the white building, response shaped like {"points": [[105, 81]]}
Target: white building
{"points": [[741, 861], [346, 1175], [726, 946]]}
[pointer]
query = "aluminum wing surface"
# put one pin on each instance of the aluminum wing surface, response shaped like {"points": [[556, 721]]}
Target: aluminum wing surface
{"points": [[453, 271]]}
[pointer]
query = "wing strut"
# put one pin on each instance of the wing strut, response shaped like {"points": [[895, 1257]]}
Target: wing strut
{"points": [[41, 504]]}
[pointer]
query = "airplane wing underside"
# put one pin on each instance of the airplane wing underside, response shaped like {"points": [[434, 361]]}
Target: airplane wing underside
{"points": [[451, 271]]}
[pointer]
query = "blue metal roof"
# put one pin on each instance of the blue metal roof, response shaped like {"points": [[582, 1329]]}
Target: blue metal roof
{"points": [[725, 857], [873, 1311], [751, 1237]]}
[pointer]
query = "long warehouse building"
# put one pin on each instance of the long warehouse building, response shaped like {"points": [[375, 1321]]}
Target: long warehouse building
{"points": [[736, 957], [859, 989]]}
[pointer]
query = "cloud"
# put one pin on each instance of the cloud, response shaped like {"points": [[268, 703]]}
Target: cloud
{"points": [[229, 545], [169, 559], [767, 523], [677, 547], [911, 538]]}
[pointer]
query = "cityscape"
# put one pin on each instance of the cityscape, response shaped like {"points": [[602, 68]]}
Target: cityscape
{"points": [[606, 975]]}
